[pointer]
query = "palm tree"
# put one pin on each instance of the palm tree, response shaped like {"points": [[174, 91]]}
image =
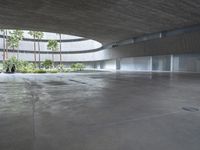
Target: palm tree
{"points": [[34, 34], [13, 41], [53, 46], [39, 36], [19, 36], [6, 43], [60, 48]]}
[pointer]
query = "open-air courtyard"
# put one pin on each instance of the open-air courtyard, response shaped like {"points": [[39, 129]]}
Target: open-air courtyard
{"points": [[100, 111]]}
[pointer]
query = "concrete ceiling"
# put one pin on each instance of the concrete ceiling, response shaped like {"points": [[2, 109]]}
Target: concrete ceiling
{"points": [[103, 20]]}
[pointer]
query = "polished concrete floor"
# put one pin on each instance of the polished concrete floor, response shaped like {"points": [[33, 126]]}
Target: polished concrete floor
{"points": [[100, 111]]}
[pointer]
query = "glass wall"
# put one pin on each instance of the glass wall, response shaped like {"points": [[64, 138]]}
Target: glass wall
{"points": [[109, 65], [135, 64], [186, 63], [161, 63]]}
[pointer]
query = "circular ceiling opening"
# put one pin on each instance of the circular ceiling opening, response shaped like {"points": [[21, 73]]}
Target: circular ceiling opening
{"points": [[70, 43]]}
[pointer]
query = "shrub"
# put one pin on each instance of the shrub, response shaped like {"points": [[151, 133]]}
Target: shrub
{"points": [[1, 67], [21, 66], [53, 71], [9, 63], [39, 71], [67, 70], [77, 66], [60, 68], [47, 64], [27, 68]]}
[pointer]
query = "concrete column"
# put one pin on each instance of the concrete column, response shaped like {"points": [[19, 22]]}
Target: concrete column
{"points": [[171, 63], [161, 35], [102, 65], [151, 64], [118, 66], [95, 65]]}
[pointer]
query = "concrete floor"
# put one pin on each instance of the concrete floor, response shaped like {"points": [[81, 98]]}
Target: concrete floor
{"points": [[100, 111]]}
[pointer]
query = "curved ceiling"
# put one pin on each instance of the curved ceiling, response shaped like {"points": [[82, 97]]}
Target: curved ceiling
{"points": [[70, 43], [47, 36], [105, 21]]}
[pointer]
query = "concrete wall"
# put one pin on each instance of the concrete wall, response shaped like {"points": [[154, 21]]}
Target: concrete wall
{"points": [[66, 46]]}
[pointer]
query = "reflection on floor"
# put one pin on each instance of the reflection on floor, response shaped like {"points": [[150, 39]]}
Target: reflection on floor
{"points": [[100, 111]]}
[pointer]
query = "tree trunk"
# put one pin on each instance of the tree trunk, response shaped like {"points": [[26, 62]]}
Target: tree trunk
{"points": [[34, 47], [60, 49], [39, 52], [4, 46], [53, 59]]}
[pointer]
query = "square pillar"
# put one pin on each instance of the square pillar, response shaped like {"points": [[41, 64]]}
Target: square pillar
{"points": [[151, 64], [171, 63], [118, 66]]}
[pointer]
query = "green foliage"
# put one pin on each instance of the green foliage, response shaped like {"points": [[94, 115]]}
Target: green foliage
{"points": [[67, 70], [15, 37], [47, 64], [77, 67], [53, 71], [13, 42], [52, 45], [36, 34], [26, 68], [9, 63], [39, 71], [21, 66], [39, 35], [60, 67], [1, 67], [18, 34]]}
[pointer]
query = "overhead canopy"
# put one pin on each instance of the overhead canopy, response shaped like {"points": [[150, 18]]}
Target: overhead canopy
{"points": [[103, 20]]}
